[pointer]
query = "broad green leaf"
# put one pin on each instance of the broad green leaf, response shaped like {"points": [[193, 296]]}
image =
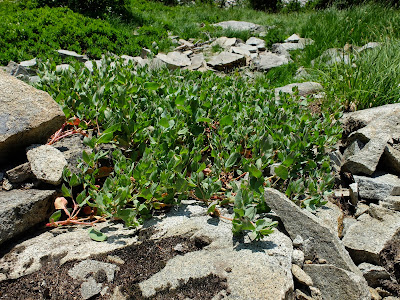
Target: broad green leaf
{"points": [[74, 181], [232, 159], [282, 172], [66, 191], [151, 86], [254, 171], [226, 121], [105, 138], [96, 235], [86, 157], [55, 216], [164, 122]]}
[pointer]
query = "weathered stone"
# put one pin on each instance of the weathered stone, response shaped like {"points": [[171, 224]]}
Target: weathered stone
{"points": [[330, 215], [90, 266], [174, 60], [336, 283], [294, 38], [366, 160], [71, 243], [374, 294], [334, 56], [336, 158], [91, 64], [304, 88], [27, 116], [298, 257], [347, 222], [370, 45], [197, 61], [47, 163], [239, 26], [257, 42], [224, 42], [19, 173], [373, 274], [299, 295], [67, 53], [361, 209], [72, 148], [90, 288], [251, 49], [269, 60], [301, 276], [15, 70], [23, 209], [322, 242], [225, 61], [260, 269], [378, 187], [241, 51], [355, 120], [354, 148], [392, 159], [366, 239], [391, 202], [353, 188]]}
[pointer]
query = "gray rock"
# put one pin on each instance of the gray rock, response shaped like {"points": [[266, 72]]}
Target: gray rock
{"points": [[257, 42], [226, 61], [347, 222], [378, 187], [251, 49], [355, 120], [269, 60], [67, 53], [89, 266], [299, 295], [361, 209], [370, 45], [391, 202], [373, 274], [174, 60], [91, 64], [144, 53], [336, 283], [28, 63], [47, 163], [22, 209], [7, 185], [336, 158], [330, 215], [72, 148], [374, 294], [27, 116], [323, 243], [261, 269], [301, 74], [225, 42], [298, 257], [353, 188], [354, 148], [294, 38], [241, 51], [304, 88], [240, 26], [366, 160], [197, 61], [15, 70], [72, 243], [301, 276], [335, 56], [366, 239], [90, 288], [19, 173], [392, 159]]}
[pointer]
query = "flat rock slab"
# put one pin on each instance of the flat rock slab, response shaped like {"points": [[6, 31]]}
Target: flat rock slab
{"points": [[239, 26], [304, 88], [269, 60], [69, 243], [336, 283], [319, 240], [260, 269], [226, 61], [224, 42], [47, 163], [22, 209], [366, 239], [68, 53], [174, 60], [27, 116], [378, 187]]}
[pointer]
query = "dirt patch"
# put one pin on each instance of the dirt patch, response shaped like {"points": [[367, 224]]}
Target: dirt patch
{"points": [[140, 262]]}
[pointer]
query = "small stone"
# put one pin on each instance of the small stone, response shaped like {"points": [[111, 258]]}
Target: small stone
{"points": [[353, 188], [374, 294], [315, 293], [257, 42], [373, 274], [115, 259], [7, 185], [321, 261], [90, 288], [308, 262], [391, 202], [298, 257], [301, 276], [382, 292], [89, 266], [179, 248], [20, 173], [145, 52], [294, 38], [47, 163], [225, 61], [269, 60], [342, 193], [298, 241], [299, 295], [67, 53]]}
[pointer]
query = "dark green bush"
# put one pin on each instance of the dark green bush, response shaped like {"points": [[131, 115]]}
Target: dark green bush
{"points": [[266, 5], [38, 32]]}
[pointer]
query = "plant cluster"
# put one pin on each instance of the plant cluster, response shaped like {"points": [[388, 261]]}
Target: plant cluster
{"points": [[189, 134]]}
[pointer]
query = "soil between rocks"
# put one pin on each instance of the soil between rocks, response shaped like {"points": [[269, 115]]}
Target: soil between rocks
{"points": [[140, 262]]}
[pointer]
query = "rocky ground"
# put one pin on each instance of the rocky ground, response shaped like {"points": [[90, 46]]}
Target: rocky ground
{"points": [[348, 249]]}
